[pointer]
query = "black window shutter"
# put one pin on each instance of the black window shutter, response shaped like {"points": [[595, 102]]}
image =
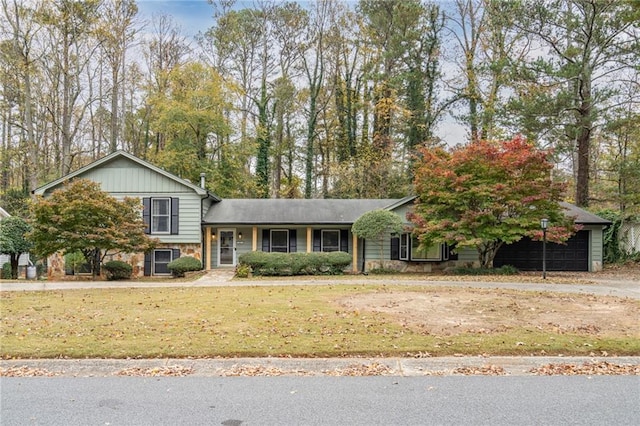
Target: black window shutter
{"points": [[175, 208], [395, 248], [175, 254], [344, 240], [147, 263], [146, 214], [293, 243], [317, 239], [265, 240]]}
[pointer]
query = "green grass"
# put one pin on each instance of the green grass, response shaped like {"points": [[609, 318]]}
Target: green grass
{"points": [[299, 321]]}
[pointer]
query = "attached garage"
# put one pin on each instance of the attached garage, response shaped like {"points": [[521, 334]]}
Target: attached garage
{"points": [[582, 252], [526, 254]]}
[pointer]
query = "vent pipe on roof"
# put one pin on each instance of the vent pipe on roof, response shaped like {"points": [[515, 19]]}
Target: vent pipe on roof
{"points": [[202, 176]]}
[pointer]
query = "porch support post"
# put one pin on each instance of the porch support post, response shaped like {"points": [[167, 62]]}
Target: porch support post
{"points": [[207, 247], [254, 239], [309, 238], [354, 260]]}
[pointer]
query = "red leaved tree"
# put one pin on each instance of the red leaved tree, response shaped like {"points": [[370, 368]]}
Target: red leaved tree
{"points": [[486, 194], [82, 217]]}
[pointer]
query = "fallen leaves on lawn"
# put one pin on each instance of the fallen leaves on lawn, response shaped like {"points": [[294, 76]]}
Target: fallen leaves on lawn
{"points": [[169, 371], [25, 372], [588, 368]]}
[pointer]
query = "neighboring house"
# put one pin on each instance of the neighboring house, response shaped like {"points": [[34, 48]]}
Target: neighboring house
{"points": [[190, 221], [23, 260]]}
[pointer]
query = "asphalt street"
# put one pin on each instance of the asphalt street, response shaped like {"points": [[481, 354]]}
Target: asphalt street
{"points": [[236, 401]]}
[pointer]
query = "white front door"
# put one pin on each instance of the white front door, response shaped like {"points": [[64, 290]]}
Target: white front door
{"points": [[227, 247]]}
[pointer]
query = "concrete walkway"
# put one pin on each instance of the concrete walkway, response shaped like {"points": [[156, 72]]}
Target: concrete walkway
{"points": [[224, 278]]}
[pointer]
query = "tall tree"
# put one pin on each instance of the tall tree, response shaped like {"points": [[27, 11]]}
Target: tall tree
{"points": [[487, 48], [115, 33], [587, 44], [313, 63], [20, 59], [165, 51], [70, 29], [191, 114]]}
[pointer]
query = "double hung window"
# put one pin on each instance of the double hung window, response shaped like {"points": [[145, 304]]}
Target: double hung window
{"points": [[160, 215], [279, 240], [330, 240]]}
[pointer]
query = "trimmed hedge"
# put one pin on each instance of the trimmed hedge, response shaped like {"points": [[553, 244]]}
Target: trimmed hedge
{"points": [[117, 270], [287, 264], [184, 264]]}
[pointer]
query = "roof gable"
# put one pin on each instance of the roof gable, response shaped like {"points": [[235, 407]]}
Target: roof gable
{"points": [[123, 172]]}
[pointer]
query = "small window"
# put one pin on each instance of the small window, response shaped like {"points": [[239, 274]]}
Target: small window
{"points": [[160, 215], [280, 240], [330, 240], [161, 259]]}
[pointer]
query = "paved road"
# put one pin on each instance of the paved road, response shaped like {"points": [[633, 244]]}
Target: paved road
{"points": [[236, 401], [601, 287]]}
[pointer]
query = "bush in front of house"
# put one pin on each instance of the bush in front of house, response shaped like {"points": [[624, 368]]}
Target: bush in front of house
{"points": [[5, 272], [184, 264], [117, 270], [288, 264]]}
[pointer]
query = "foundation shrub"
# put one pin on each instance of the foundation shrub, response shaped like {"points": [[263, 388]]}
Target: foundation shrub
{"points": [[184, 264], [288, 264], [117, 270]]}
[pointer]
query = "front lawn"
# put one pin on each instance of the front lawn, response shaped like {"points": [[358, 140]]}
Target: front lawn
{"points": [[313, 321]]}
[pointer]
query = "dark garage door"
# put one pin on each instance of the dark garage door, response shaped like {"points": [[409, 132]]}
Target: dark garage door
{"points": [[526, 254]]}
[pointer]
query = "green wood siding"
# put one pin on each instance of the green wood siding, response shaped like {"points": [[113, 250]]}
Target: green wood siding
{"points": [[595, 247], [402, 212], [125, 178]]}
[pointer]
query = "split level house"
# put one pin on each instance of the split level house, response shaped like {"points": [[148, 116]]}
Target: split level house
{"points": [[188, 220]]}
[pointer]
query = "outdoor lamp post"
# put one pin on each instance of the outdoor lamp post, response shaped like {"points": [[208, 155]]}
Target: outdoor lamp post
{"points": [[544, 223]]}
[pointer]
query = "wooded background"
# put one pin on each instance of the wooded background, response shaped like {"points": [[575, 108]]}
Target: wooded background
{"points": [[327, 98]]}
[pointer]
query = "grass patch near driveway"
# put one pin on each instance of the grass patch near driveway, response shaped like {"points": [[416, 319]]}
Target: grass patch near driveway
{"points": [[312, 321]]}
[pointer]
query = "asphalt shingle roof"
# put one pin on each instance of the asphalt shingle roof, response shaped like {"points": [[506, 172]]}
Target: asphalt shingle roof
{"points": [[324, 211], [291, 211], [582, 216]]}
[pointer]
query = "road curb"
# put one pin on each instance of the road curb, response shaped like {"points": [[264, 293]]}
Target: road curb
{"points": [[406, 367]]}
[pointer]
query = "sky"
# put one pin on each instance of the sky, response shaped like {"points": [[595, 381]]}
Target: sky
{"points": [[193, 16]]}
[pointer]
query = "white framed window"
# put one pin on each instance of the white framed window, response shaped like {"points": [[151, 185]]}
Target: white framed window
{"points": [[330, 240], [161, 259], [431, 253], [161, 215], [404, 246], [279, 240]]}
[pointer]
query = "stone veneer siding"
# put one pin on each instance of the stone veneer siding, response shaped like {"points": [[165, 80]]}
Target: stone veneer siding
{"points": [[56, 270]]}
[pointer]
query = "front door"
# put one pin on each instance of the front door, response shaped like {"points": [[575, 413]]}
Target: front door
{"points": [[227, 247]]}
